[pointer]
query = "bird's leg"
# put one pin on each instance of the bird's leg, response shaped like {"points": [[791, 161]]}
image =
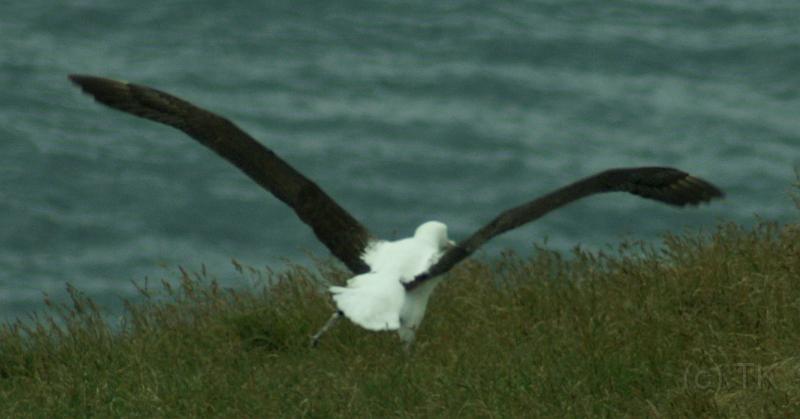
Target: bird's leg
{"points": [[408, 335], [334, 318], [408, 347]]}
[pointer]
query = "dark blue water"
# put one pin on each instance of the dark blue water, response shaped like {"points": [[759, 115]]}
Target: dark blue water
{"points": [[403, 112]]}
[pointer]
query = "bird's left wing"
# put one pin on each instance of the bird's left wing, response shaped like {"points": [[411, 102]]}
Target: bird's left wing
{"points": [[344, 236]]}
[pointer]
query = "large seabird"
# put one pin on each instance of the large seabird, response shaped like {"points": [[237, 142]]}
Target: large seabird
{"points": [[393, 279]]}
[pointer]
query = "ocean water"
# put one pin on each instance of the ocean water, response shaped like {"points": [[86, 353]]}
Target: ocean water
{"points": [[402, 111]]}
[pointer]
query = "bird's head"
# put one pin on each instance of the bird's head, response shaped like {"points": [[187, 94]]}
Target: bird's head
{"points": [[435, 233]]}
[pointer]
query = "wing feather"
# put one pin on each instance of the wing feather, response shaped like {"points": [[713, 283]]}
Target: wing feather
{"points": [[663, 184], [344, 236]]}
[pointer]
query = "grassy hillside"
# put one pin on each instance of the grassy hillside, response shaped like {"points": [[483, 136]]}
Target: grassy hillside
{"points": [[704, 326]]}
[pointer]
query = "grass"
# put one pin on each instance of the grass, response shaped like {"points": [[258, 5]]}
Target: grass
{"points": [[702, 326]]}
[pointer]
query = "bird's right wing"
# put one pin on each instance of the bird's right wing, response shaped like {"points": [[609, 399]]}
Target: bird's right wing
{"points": [[344, 236], [663, 184]]}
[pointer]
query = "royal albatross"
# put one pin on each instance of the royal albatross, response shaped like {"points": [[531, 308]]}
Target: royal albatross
{"points": [[393, 279]]}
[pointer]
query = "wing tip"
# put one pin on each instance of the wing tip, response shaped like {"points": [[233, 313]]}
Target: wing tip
{"points": [[112, 93], [83, 80], [93, 84], [703, 191], [670, 186], [78, 78]]}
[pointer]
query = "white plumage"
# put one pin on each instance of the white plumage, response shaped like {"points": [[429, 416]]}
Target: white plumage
{"points": [[377, 300]]}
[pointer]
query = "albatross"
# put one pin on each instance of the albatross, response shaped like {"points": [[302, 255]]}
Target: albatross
{"points": [[393, 280]]}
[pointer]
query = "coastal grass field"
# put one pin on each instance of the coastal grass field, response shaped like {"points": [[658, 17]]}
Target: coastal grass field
{"points": [[701, 325]]}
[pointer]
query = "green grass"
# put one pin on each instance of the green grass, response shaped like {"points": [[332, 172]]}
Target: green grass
{"points": [[703, 326]]}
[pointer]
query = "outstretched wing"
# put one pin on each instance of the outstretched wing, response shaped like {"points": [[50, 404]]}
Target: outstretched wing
{"points": [[345, 237], [663, 184]]}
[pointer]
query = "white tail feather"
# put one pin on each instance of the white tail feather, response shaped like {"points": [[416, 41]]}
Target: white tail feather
{"points": [[372, 301]]}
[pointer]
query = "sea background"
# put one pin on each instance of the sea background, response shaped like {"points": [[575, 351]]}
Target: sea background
{"points": [[402, 111]]}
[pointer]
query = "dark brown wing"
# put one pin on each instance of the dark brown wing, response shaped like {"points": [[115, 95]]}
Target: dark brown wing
{"points": [[336, 228], [663, 184]]}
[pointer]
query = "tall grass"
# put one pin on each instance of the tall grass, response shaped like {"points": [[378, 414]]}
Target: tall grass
{"points": [[702, 326]]}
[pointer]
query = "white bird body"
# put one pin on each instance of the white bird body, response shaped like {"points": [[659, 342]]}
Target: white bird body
{"points": [[377, 300]]}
